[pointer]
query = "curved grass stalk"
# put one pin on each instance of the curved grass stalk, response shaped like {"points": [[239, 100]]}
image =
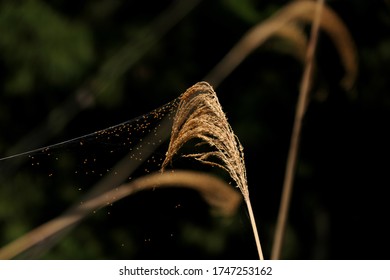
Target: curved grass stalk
{"points": [[215, 191], [293, 13]]}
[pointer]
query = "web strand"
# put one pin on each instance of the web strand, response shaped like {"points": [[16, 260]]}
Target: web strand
{"points": [[80, 140]]}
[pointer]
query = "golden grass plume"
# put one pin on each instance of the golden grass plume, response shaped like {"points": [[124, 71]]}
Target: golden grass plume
{"points": [[200, 116]]}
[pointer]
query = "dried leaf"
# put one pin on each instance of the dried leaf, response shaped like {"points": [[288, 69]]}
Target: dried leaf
{"points": [[215, 191], [295, 12]]}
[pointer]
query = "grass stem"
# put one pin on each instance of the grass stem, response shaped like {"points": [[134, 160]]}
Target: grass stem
{"points": [[254, 227], [295, 136]]}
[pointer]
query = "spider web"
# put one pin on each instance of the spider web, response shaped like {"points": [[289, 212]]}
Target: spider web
{"points": [[50, 179]]}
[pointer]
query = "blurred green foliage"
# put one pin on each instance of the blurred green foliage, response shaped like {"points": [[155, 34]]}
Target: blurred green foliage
{"points": [[112, 52], [39, 45]]}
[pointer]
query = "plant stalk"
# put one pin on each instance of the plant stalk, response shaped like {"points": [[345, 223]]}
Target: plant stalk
{"points": [[254, 227], [295, 136]]}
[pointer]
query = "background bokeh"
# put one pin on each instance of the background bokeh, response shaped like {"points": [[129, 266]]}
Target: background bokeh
{"points": [[70, 68]]}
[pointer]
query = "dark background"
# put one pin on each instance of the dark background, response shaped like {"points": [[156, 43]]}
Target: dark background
{"points": [[50, 51]]}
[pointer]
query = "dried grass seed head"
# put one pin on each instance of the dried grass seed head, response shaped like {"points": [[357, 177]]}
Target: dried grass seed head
{"points": [[200, 115]]}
